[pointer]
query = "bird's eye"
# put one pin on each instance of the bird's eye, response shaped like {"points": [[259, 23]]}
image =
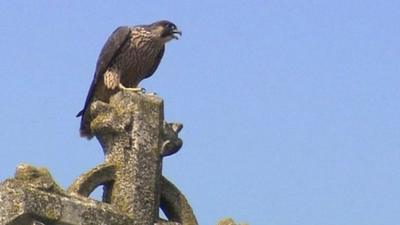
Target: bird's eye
{"points": [[171, 26]]}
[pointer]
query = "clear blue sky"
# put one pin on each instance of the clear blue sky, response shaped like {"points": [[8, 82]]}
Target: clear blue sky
{"points": [[291, 108]]}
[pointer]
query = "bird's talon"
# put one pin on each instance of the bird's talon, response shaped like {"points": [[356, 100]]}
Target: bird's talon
{"points": [[136, 89]]}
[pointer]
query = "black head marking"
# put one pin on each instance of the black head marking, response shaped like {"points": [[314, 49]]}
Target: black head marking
{"points": [[170, 30], [165, 23]]}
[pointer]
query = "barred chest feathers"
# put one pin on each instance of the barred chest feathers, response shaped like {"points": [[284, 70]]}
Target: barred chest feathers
{"points": [[145, 48], [138, 57]]}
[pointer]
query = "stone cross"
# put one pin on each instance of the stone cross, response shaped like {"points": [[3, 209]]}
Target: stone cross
{"points": [[130, 130], [135, 138]]}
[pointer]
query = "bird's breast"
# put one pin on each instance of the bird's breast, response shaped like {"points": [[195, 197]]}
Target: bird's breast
{"points": [[137, 59]]}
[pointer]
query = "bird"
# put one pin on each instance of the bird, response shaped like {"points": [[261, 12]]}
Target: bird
{"points": [[130, 54]]}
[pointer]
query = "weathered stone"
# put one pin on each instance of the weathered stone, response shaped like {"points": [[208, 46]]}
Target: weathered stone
{"points": [[18, 200], [37, 177], [23, 201], [86, 183], [174, 204], [229, 221], [171, 142], [135, 138], [130, 130]]}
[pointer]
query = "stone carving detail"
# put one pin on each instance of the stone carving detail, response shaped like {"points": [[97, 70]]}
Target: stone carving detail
{"points": [[135, 139], [229, 221], [171, 142], [39, 178]]}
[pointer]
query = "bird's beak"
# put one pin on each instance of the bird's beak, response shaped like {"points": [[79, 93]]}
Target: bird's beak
{"points": [[175, 32]]}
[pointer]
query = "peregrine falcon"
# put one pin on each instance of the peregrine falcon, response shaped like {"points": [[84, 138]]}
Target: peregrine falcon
{"points": [[130, 55]]}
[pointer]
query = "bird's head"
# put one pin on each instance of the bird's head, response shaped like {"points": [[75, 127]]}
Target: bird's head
{"points": [[165, 30]]}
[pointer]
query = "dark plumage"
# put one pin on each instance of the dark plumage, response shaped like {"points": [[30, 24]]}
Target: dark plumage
{"points": [[130, 55]]}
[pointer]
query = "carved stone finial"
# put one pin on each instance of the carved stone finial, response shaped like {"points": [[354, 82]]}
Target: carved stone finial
{"points": [[39, 178], [229, 221], [171, 142]]}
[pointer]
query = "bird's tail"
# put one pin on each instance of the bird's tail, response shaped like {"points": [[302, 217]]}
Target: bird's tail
{"points": [[85, 134], [84, 129], [80, 113]]}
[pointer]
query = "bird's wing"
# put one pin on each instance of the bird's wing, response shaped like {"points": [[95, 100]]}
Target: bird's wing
{"points": [[156, 62], [110, 49]]}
